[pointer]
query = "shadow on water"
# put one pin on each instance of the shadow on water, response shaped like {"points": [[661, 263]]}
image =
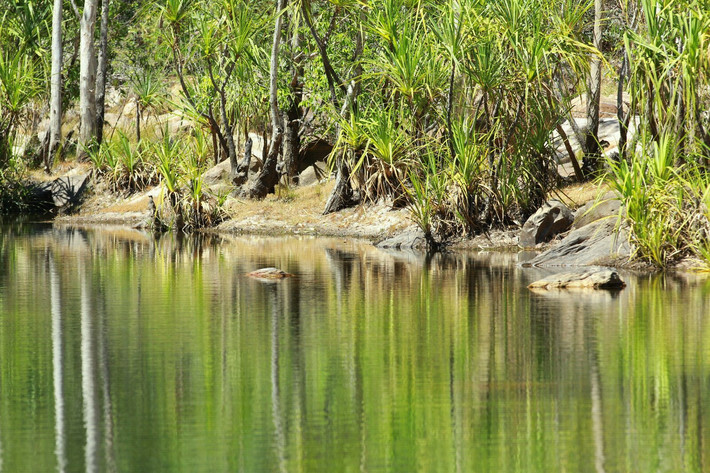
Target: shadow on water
{"points": [[122, 352]]}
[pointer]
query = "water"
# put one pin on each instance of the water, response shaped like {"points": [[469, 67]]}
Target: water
{"points": [[119, 353]]}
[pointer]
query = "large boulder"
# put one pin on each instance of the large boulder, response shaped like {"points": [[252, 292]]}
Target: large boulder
{"points": [[609, 206], [601, 279], [63, 191], [552, 218], [313, 174], [600, 243], [217, 173]]}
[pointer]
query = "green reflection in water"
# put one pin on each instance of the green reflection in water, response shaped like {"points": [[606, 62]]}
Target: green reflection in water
{"points": [[121, 353]]}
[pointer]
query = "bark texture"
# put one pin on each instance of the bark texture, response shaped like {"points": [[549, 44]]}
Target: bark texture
{"points": [[101, 70], [591, 143], [268, 177], [55, 101], [87, 76]]}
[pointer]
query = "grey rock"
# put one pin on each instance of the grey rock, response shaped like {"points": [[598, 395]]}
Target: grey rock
{"points": [[63, 190], [269, 273], [552, 218], [608, 206], [409, 239], [313, 174], [218, 173], [599, 279], [596, 243]]}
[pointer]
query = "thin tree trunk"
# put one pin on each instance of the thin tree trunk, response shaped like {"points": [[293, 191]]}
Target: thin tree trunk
{"points": [[450, 107], [620, 115], [578, 174], [87, 77], [268, 177], [591, 142], [292, 139], [55, 101], [101, 72], [138, 121], [342, 195], [228, 129]]}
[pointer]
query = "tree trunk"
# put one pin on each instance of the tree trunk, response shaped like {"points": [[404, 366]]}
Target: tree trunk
{"points": [[55, 101], [101, 72], [292, 139], [228, 132], [138, 121], [342, 195], [241, 174], [621, 116], [87, 77], [591, 142], [268, 177]]}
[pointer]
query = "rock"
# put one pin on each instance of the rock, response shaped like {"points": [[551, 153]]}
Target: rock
{"points": [[608, 206], [62, 191], [552, 218], [313, 174], [269, 273], [603, 279], [410, 239], [217, 173], [596, 243]]}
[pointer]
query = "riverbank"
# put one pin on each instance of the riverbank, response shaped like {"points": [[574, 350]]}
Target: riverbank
{"points": [[294, 211], [298, 211]]}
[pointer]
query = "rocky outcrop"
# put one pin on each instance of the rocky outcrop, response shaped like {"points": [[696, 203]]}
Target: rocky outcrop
{"points": [[552, 218], [410, 239], [61, 192], [601, 279], [313, 174], [600, 243], [609, 206]]}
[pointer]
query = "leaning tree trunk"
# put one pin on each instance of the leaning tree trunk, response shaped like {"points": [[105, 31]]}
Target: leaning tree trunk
{"points": [[101, 72], [268, 177], [87, 77], [591, 142], [55, 101], [342, 195]]}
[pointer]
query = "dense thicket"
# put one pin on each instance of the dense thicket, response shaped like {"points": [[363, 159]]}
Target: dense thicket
{"points": [[448, 107]]}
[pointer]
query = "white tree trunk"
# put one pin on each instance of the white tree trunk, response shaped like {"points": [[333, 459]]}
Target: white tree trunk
{"points": [[101, 71], [87, 74], [595, 84], [268, 177], [55, 101]]}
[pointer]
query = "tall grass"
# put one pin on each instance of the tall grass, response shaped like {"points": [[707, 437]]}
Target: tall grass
{"points": [[666, 206]]}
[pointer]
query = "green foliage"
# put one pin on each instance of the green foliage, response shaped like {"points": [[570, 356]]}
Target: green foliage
{"points": [[666, 205]]}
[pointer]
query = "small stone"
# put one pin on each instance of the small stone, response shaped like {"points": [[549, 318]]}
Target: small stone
{"points": [[603, 279], [269, 273]]}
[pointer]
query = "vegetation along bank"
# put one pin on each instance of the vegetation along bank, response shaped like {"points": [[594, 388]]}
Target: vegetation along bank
{"points": [[465, 115]]}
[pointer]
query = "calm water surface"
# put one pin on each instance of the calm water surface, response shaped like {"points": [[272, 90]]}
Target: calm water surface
{"points": [[121, 353]]}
